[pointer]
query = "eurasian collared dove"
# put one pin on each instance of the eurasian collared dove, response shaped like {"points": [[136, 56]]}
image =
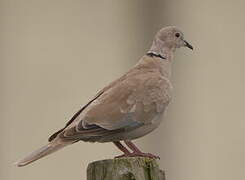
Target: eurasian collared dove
{"points": [[128, 108]]}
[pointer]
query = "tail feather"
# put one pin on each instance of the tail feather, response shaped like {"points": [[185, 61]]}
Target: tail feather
{"points": [[39, 153]]}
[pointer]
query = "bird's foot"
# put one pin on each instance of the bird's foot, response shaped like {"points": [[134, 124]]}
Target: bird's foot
{"points": [[139, 154]]}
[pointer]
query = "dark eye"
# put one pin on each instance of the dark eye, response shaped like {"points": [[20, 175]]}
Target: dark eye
{"points": [[177, 35]]}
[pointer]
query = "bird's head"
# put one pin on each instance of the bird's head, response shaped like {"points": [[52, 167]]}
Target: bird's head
{"points": [[167, 40]]}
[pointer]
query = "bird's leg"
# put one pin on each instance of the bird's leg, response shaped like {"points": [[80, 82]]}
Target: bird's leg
{"points": [[132, 146], [137, 152], [122, 148]]}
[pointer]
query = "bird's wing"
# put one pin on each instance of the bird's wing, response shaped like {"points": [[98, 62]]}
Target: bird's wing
{"points": [[130, 102], [74, 117]]}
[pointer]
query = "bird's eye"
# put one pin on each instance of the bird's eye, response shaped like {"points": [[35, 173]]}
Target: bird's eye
{"points": [[177, 35]]}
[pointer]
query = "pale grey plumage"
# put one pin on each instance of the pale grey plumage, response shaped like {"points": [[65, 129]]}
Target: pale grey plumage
{"points": [[129, 107]]}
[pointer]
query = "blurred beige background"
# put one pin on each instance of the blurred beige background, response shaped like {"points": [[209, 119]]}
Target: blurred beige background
{"points": [[55, 55]]}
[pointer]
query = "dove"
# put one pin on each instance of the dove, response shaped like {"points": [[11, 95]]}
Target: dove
{"points": [[126, 109]]}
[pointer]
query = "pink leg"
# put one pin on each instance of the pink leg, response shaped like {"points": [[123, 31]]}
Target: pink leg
{"points": [[122, 148], [137, 152]]}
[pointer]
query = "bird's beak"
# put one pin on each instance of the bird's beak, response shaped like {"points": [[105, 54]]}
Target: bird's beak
{"points": [[188, 45]]}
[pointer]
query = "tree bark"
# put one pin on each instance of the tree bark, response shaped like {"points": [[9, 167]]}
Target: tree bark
{"points": [[133, 168]]}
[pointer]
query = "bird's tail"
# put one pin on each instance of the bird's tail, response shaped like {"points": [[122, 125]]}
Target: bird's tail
{"points": [[41, 152]]}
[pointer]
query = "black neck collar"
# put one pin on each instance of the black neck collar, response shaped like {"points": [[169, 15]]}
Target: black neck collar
{"points": [[152, 54]]}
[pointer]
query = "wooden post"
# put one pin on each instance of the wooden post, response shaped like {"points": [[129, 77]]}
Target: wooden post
{"points": [[133, 168]]}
